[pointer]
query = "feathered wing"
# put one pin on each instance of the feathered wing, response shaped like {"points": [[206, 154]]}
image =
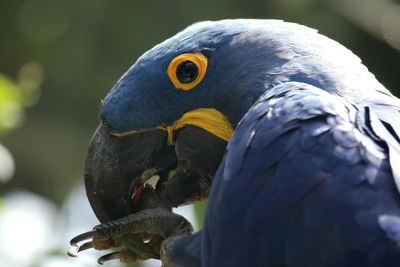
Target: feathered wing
{"points": [[307, 180]]}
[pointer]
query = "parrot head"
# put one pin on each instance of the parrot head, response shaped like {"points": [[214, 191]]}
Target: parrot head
{"points": [[171, 114]]}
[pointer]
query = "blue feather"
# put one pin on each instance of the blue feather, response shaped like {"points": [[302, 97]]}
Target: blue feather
{"points": [[391, 224], [304, 186]]}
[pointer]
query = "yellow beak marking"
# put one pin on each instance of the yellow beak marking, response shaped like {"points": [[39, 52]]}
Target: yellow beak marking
{"points": [[208, 119]]}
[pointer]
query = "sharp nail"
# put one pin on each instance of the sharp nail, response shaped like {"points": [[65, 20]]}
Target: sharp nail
{"points": [[108, 257], [75, 248], [85, 246], [82, 237]]}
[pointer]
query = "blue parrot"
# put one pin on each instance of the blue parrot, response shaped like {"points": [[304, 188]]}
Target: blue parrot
{"points": [[311, 172]]}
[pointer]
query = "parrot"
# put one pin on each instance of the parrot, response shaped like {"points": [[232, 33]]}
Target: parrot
{"points": [[294, 143]]}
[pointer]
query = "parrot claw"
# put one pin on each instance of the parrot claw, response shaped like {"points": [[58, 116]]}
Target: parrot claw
{"points": [[84, 236], [108, 257], [143, 235], [75, 249], [124, 256], [90, 240], [77, 244]]}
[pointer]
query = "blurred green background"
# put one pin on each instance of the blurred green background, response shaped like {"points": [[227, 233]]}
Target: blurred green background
{"points": [[58, 59]]}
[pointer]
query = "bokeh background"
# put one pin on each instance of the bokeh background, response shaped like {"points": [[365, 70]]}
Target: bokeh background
{"points": [[58, 59]]}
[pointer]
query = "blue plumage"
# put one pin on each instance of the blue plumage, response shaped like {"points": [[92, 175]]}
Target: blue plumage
{"points": [[391, 224], [303, 184], [311, 176]]}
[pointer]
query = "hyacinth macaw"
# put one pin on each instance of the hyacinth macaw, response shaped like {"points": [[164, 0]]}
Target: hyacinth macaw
{"points": [[310, 175]]}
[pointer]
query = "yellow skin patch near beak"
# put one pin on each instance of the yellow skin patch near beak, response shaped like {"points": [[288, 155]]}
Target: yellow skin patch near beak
{"points": [[208, 119]]}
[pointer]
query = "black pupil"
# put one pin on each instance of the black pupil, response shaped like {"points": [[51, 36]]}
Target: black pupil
{"points": [[187, 72]]}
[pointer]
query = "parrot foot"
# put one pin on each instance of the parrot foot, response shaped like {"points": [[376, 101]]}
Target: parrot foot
{"points": [[145, 234]]}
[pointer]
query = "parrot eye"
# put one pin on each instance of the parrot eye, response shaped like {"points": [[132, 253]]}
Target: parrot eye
{"points": [[187, 70]]}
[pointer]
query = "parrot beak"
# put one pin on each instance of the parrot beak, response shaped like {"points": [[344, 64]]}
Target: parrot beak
{"points": [[118, 168], [114, 167]]}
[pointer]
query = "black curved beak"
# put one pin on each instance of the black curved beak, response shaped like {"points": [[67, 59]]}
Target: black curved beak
{"points": [[117, 168], [114, 166]]}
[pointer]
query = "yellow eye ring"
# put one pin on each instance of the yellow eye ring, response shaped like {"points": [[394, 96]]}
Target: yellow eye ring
{"points": [[187, 70]]}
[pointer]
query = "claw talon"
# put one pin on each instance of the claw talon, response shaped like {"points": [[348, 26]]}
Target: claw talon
{"points": [[108, 257], [125, 256], [76, 248], [85, 246], [87, 235]]}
